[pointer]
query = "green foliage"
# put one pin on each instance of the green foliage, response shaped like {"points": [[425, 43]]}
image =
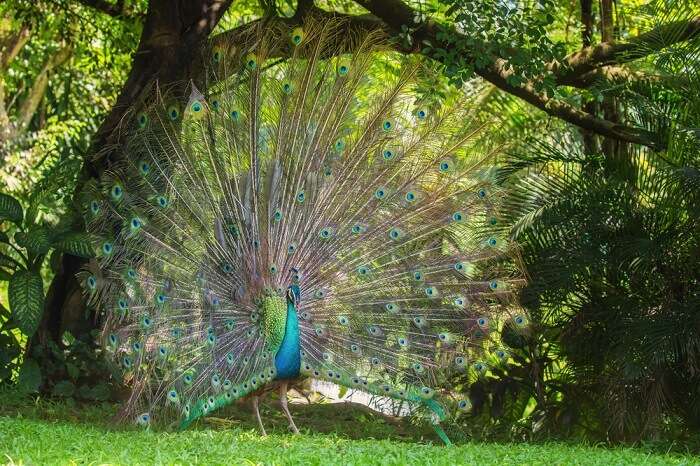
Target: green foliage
{"points": [[26, 296], [513, 34], [10, 209], [74, 369], [64, 388], [609, 234], [611, 242], [21, 261], [29, 377], [74, 243]]}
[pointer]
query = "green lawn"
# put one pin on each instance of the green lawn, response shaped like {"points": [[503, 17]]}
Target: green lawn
{"points": [[42, 432]]}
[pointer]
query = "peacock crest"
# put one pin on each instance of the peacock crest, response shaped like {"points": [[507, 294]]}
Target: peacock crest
{"points": [[300, 214]]}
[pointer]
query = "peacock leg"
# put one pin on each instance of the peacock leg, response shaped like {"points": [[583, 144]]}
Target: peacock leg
{"points": [[257, 415], [285, 408]]}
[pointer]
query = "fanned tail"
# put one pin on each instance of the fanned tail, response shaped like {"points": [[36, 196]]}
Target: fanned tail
{"points": [[319, 169]]}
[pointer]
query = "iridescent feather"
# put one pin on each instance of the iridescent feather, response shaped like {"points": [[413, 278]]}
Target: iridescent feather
{"points": [[305, 171]]}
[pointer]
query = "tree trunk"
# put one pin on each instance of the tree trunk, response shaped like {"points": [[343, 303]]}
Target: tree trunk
{"points": [[172, 35], [590, 146]]}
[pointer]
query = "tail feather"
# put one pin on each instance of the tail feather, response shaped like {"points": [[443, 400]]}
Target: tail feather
{"points": [[320, 169]]}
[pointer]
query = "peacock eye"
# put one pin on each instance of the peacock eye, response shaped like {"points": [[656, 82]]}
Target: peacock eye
{"points": [[216, 55], [395, 233], [251, 62], [445, 166], [117, 192], [173, 113]]}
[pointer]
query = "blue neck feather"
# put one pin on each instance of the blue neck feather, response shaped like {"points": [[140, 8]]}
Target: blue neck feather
{"points": [[288, 357]]}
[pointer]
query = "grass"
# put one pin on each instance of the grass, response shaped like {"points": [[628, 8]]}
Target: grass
{"points": [[45, 432]]}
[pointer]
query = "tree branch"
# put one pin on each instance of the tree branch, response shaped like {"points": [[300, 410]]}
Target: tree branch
{"points": [[38, 89], [611, 53], [397, 14], [562, 110], [615, 75], [12, 45]]}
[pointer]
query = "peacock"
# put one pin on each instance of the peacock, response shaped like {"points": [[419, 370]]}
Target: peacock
{"points": [[303, 212]]}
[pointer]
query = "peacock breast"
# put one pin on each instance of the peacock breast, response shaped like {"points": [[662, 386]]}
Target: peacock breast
{"points": [[288, 356]]}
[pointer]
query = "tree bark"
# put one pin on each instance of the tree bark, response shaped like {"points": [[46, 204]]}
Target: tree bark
{"points": [[589, 139]]}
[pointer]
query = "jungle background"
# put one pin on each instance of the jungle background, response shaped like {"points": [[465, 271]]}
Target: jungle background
{"points": [[596, 103]]}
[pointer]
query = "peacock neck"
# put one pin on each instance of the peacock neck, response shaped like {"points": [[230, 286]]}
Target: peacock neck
{"points": [[288, 357]]}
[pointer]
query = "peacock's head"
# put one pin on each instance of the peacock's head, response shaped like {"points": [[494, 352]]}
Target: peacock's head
{"points": [[294, 291], [294, 294]]}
